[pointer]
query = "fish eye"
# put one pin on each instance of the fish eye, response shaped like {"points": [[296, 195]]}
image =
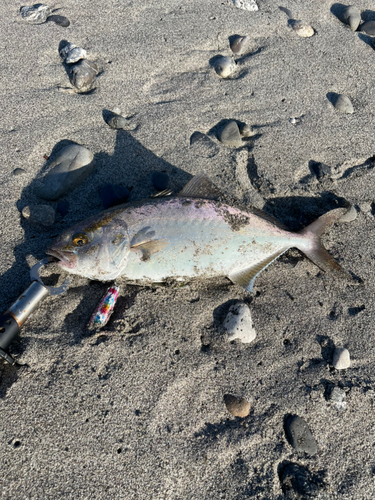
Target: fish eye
{"points": [[80, 239]]}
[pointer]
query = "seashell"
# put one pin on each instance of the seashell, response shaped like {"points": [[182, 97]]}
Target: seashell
{"points": [[75, 55], [341, 358], [239, 45], [224, 66], [36, 14], [368, 27], [238, 407], [350, 15], [303, 30], [342, 103], [230, 135], [246, 5], [66, 49], [59, 20], [238, 323]]}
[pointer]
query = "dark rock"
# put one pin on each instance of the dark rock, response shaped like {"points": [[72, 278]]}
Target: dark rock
{"points": [[63, 208], [203, 146], [113, 194], [82, 75], [36, 14], [350, 15], [18, 171], [160, 180], [368, 27], [298, 483], [42, 215], [230, 135], [321, 170], [60, 20], [69, 169], [299, 435]]}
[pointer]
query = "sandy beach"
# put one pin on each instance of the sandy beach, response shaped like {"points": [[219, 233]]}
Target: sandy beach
{"points": [[137, 411]]}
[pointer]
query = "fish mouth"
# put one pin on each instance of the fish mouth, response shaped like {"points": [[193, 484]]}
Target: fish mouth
{"points": [[66, 260]]}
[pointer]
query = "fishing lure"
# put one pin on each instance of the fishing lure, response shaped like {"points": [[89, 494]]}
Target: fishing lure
{"points": [[105, 308]]}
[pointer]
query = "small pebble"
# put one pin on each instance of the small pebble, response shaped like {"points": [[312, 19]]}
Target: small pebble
{"points": [[160, 180], [321, 170], [43, 215], [82, 75], [18, 171], [303, 30], [299, 435], [63, 208], [341, 358], [350, 15], [342, 103], [236, 406], [368, 27], [203, 146], [75, 55], [246, 130], [72, 165], [64, 51], [230, 135], [36, 14], [118, 122], [224, 66], [238, 324], [59, 20], [117, 110], [113, 194], [246, 5], [239, 45], [365, 207], [350, 215]]}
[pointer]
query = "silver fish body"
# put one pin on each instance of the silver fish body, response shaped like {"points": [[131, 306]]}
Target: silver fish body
{"points": [[184, 237]]}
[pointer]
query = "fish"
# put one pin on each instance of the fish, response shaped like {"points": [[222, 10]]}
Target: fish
{"points": [[190, 235]]}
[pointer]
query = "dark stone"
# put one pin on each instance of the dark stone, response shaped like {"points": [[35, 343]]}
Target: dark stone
{"points": [[82, 75], [368, 27], [72, 165], [298, 483], [230, 135], [35, 14], [299, 435], [63, 208], [113, 194], [321, 170], [60, 20], [160, 180]]}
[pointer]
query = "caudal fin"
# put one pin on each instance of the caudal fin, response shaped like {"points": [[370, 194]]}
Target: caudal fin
{"points": [[314, 248]]}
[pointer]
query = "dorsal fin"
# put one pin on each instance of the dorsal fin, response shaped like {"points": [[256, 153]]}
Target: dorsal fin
{"points": [[269, 218], [246, 277], [200, 186]]}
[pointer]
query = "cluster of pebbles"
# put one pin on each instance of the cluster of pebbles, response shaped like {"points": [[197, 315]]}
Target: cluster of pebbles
{"points": [[41, 13]]}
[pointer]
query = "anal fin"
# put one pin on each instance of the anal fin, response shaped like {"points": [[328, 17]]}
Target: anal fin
{"points": [[245, 277]]}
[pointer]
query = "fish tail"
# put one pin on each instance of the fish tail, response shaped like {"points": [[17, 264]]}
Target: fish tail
{"points": [[313, 247]]}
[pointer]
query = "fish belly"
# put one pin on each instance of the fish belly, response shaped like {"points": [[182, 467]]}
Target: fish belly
{"points": [[202, 242]]}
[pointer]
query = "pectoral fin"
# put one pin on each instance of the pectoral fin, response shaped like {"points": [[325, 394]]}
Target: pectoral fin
{"points": [[245, 277], [148, 248]]}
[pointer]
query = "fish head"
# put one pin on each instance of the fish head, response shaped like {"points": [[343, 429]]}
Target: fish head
{"points": [[97, 248]]}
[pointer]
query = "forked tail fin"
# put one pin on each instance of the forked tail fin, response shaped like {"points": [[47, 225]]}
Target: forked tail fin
{"points": [[314, 248]]}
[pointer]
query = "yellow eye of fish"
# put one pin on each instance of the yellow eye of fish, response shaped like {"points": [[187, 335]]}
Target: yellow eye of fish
{"points": [[79, 240]]}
